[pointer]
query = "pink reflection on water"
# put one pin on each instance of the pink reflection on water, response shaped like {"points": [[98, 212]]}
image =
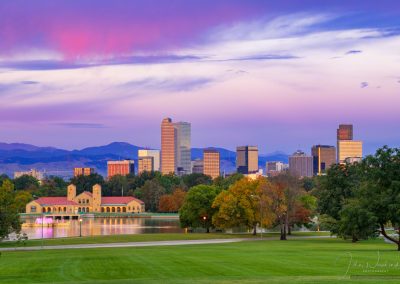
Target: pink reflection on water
{"points": [[101, 226]]}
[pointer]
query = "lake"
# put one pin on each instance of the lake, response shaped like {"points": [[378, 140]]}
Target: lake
{"points": [[100, 226]]}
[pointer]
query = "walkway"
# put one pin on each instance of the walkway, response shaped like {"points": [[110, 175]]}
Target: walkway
{"points": [[150, 244]]}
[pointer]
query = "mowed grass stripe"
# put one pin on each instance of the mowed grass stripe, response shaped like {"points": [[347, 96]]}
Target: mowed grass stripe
{"points": [[300, 261]]}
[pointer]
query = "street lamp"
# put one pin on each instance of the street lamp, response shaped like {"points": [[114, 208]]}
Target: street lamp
{"points": [[80, 227], [204, 220]]}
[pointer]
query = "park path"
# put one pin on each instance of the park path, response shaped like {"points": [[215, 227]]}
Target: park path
{"points": [[149, 244]]}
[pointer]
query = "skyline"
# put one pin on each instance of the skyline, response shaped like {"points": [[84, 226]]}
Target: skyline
{"points": [[279, 76]]}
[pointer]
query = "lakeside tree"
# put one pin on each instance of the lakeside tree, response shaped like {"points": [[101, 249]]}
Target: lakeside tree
{"points": [[245, 203], [116, 186], [197, 210], [86, 183], [21, 199], [150, 193], [9, 218], [172, 202]]}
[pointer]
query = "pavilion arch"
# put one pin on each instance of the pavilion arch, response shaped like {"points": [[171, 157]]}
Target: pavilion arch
{"points": [[123, 209], [118, 209], [48, 209], [113, 209], [108, 209], [102, 209]]}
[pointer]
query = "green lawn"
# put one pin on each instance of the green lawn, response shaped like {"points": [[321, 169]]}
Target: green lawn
{"points": [[293, 261], [144, 238]]}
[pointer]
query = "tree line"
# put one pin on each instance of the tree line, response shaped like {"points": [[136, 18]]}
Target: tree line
{"points": [[354, 201]]}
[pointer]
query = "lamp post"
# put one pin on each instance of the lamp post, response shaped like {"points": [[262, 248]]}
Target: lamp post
{"points": [[80, 227], [204, 220]]}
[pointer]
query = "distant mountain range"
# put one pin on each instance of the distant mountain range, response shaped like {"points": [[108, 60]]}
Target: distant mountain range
{"points": [[54, 161]]}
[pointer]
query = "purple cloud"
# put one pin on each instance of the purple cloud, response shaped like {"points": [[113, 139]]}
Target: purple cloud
{"points": [[353, 52], [363, 85]]}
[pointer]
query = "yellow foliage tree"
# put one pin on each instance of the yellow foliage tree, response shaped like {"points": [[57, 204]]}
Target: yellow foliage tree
{"points": [[246, 203]]}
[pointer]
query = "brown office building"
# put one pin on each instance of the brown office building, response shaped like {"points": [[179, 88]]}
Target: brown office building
{"points": [[122, 168], [168, 146], [83, 171], [324, 157], [247, 159], [345, 132], [145, 164], [300, 164], [211, 163]]}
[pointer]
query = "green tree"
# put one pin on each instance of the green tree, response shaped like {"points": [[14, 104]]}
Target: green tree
{"points": [[380, 189], [3, 177], [85, 183], [196, 179], [225, 182], [116, 184], [9, 218], [150, 193], [21, 199], [169, 182], [197, 210], [332, 190], [26, 182], [355, 222]]}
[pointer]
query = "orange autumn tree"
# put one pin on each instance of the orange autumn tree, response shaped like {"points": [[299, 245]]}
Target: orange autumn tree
{"points": [[172, 202], [245, 203]]}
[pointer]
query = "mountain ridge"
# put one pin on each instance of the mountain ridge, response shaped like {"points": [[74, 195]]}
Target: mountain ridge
{"points": [[21, 157]]}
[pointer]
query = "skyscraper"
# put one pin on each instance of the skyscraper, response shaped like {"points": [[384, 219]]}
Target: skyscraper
{"points": [[122, 168], [347, 148], [151, 153], [168, 146], [324, 157], [211, 163], [345, 132], [300, 164], [145, 164], [183, 141], [247, 159], [175, 147]]}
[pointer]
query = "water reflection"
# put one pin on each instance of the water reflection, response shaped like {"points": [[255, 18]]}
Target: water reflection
{"points": [[100, 226]]}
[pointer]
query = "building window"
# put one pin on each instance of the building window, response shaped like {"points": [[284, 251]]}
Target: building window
{"points": [[33, 209], [79, 201], [87, 201]]}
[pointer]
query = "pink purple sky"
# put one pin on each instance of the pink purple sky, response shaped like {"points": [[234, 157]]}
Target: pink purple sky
{"points": [[278, 75]]}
